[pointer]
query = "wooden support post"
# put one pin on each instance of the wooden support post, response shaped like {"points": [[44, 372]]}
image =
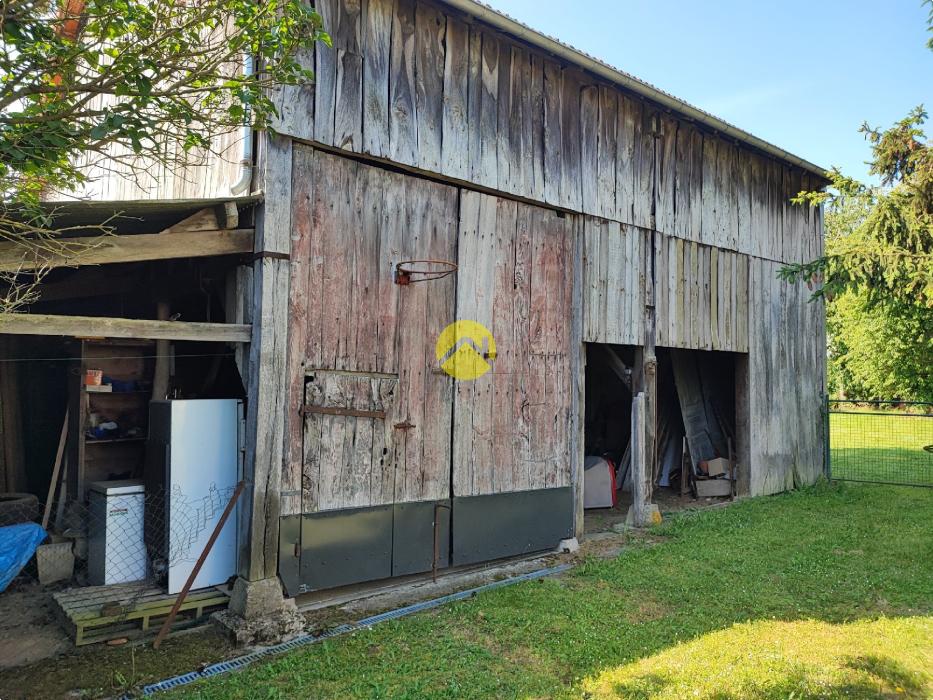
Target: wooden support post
{"points": [[650, 360], [267, 383], [162, 370], [650, 380], [578, 372], [637, 514]]}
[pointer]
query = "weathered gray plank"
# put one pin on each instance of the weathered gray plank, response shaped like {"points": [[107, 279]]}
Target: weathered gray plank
{"points": [[377, 38], [325, 74], [455, 139], [403, 119], [666, 165], [348, 79], [607, 151], [553, 146], [430, 28], [571, 176], [589, 147]]}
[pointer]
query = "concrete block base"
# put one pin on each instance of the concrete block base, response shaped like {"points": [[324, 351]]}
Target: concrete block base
{"points": [[259, 613], [652, 516], [568, 546], [255, 599]]}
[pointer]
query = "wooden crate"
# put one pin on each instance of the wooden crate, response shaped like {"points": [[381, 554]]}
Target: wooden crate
{"points": [[100, 613]]}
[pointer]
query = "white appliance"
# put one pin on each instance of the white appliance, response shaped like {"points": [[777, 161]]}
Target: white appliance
{"points": [[116, 548], [599, 483], [196, 446]]}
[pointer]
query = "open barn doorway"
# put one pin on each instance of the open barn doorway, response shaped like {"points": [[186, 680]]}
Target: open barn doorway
{"points": [[698, 434], [607, 433], [695, 424]]}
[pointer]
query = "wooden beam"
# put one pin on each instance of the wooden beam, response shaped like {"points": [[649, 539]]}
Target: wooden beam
{"points": [[228, 215], [621, 370], [103, 327], [106, 250]]}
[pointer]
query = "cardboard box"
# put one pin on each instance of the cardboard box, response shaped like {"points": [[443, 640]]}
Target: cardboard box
{"points": [[717, 467], [711, 488]]}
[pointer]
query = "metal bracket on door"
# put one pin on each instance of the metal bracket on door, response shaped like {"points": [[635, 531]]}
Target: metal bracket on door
{"points": [[336, 411], [404, 425]]}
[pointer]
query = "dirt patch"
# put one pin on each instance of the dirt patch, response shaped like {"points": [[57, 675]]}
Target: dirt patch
{"points": [[29, 628], [100, 671], [668, 500]]}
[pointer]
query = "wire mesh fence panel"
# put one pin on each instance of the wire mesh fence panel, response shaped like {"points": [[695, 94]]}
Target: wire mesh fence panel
{"points": [[885, 442]]}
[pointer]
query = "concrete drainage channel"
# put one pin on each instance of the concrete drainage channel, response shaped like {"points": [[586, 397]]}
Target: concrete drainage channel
{"points": [[306, 639]]}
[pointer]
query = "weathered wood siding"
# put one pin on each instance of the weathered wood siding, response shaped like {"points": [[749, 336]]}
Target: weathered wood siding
{"points": [[423, 88], [198, 174], [701, 300], [613, 282], [512, 426], [357, 333], [786, 382], [701, 292]]}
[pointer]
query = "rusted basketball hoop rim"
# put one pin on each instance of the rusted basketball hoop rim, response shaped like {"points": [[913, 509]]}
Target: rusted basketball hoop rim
{"points": [[411, 271]]}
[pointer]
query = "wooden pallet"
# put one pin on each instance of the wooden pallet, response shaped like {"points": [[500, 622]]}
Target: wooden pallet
{"points": [[100, 613]]}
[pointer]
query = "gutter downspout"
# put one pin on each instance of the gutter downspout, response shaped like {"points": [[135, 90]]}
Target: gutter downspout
{"points": [[241, 186]]}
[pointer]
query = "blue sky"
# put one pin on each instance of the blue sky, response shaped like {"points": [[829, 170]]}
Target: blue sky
{"points": [[802, 75]]}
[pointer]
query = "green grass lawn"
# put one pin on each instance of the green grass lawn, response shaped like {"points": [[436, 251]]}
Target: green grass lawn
{"points": [[823, 593], [878, 446]]}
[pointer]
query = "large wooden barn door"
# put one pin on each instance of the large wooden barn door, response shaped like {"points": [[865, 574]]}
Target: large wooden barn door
{"points": [[375, 451], [512, 426]]}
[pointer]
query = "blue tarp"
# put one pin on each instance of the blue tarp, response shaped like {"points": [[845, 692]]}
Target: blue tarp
{"points": [[17, 545]]}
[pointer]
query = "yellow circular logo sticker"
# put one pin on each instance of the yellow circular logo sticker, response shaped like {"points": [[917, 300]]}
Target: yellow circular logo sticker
{"points": [[464, 349]]}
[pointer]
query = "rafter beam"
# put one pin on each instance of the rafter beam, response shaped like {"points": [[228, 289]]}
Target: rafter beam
{"points": [[104, 327], [106, 250]]}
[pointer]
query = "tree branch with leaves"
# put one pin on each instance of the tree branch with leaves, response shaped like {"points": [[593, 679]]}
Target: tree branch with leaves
{"points": [[127, 84]]}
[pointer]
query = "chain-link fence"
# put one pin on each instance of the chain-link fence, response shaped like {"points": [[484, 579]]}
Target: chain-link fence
{"points": [[888, 442], [108, 567]]}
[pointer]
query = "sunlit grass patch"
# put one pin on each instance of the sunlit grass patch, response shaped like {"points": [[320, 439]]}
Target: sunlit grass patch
{"points": [[829, 588], [881, 446], [773, 659]]}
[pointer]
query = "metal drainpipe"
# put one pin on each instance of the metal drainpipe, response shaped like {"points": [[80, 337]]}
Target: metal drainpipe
{"points": [[246, 162]]}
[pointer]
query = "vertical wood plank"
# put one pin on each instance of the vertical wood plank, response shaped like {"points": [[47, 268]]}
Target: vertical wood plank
{"points": [[589, 158], [628, 112], [666, 165], [325, 74], [571, 180], [644, 166], [403, 119], [553, 135], [430, 29], [455, 142], [607, 148], [487, 173], [348, 84], [536, 124], [377, 36]]}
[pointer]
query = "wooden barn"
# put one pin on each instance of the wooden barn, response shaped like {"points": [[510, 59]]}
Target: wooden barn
{"points": [[614, 240]]}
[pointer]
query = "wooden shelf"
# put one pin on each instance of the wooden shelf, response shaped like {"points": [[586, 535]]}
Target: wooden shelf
{"points": [[124, 360], [110, 441]]}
